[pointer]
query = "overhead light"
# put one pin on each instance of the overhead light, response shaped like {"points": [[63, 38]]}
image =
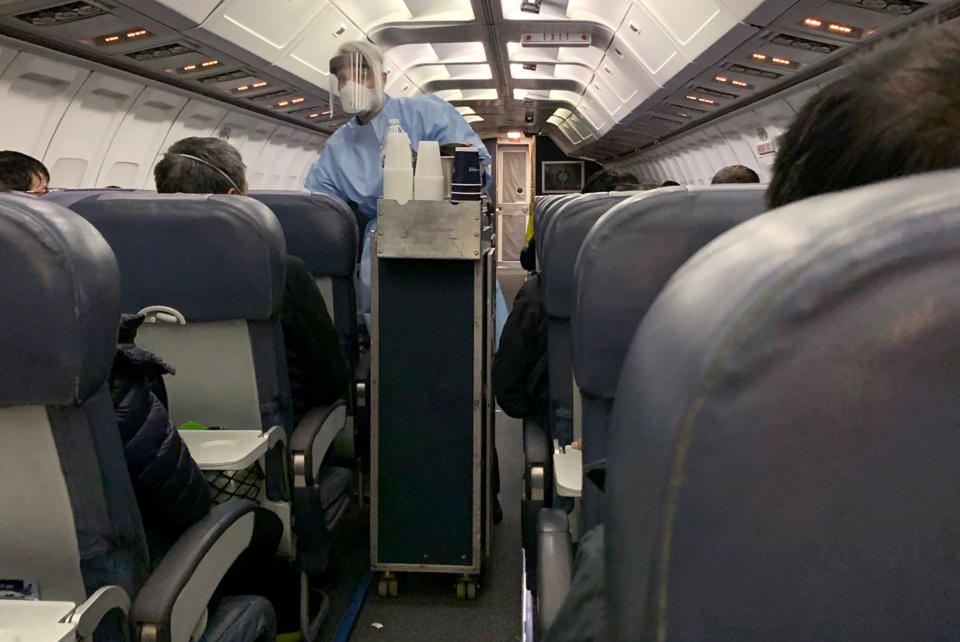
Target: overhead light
{"points": [[313, 115], [530, 6], [834, 27], [259, 84], [721, 79], [759, 56], [528, 117], [297, 100], [514, 135], [209, 63]]}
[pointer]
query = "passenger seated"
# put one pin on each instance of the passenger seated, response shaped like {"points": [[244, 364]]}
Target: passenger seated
{"points": [[22, 173], [896, 113], [520, 362], [318, 369], [172, 492], [670, 184], [735, 174], [604, 181]]}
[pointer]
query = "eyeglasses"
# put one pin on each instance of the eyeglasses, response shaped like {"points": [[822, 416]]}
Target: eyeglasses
{"points": [[39, 192]]}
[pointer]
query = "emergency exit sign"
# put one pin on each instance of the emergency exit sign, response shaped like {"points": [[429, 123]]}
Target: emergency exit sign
{"points": [[555, 39]]}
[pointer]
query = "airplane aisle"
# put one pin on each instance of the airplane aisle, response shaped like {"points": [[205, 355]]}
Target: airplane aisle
{"points": [[427, 608]]}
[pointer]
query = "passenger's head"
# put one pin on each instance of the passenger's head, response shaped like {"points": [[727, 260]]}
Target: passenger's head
{"points": [[22, 173], [604, 181], [670, 184], [201, 166], [896, 113], [735, 174], [358, 78]]}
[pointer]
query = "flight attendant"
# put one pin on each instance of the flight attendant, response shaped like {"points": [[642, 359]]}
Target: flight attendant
{"points": [[351, 165]]}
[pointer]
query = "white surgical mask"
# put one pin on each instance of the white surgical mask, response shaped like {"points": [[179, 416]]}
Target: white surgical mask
{"points": [[356, 98]]}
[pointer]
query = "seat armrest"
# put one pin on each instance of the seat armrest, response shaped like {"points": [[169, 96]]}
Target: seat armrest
{"points": [[538, 462], [554, 566], [361, 379], [174, 598], [312, 439], [88, 615], [536, 443]]}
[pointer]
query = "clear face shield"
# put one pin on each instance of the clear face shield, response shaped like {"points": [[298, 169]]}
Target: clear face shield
{"points": [[356, 82]]}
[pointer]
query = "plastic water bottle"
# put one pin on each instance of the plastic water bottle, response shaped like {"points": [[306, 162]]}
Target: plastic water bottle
{"points": [[398, 165], [428, 180]]}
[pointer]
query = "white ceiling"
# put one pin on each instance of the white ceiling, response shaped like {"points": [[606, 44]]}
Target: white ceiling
{"points": [[652, 66]]}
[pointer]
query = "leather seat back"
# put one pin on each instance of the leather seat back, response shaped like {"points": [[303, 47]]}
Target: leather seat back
{"points": [[562, 240], [70, 521], [624, 262], [322, 230], [783, 446], [219, 261]]}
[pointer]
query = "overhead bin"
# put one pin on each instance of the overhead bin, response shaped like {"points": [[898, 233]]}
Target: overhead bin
{"points": [[179, 14]]}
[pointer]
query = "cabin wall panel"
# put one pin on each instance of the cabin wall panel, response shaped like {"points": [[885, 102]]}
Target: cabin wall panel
{"points": [[139, 138], [92, 127], [34, 94], [87, 130]]}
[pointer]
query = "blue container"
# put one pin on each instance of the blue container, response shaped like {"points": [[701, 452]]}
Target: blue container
{"points": [[467, 180]]}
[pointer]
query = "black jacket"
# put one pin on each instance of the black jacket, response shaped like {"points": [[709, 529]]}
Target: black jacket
{"points": [[171, 491], [318, 370], [520, 364]]}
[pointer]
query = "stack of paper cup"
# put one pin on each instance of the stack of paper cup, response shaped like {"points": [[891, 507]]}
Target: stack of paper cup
{"points": [[467, 179], [428, 180], [447, 162], [398, 166]]}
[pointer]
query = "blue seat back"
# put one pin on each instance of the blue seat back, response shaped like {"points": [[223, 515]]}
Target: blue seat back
{"points": [[542, 221], [70, 521], [219, 261], [322, 230], [562, 240], [624, 262], [784, 445]]}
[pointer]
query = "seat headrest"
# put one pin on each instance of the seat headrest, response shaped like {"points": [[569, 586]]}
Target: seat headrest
{"points": [[212, 257], [320, 229], [783, 446], [67, 197], [627, 258], [59, 305], [561, 243]]}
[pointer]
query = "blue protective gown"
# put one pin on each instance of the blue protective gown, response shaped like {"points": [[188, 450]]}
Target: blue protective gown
{"points": [[351, 166]]}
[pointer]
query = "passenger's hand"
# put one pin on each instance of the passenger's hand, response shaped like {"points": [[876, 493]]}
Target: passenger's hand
{"points": [[578, 444]]}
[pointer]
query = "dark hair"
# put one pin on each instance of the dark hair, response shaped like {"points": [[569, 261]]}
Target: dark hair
{"points": [[17, 171], [895, 113], [176, 172], [670, 184], [735, 174], [604, 181]]}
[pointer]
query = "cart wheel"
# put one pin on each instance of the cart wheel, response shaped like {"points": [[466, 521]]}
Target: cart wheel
{"points": [[393, 588], [461, 590], [382, 587], [471, 590]]}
